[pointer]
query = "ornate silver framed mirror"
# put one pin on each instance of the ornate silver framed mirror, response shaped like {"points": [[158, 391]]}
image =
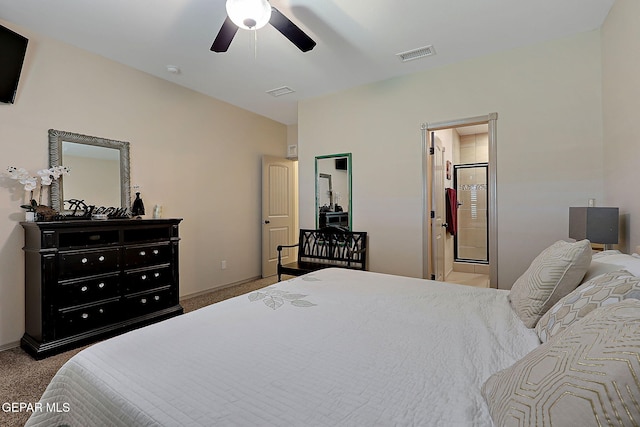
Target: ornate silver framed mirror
{"points": [[99, 170]]}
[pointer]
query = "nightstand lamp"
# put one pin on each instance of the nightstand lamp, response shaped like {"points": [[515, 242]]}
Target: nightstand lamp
{"points": [[599, 225]]}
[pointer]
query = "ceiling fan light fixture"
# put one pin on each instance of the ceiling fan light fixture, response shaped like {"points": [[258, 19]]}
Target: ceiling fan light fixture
{"points": [[249, 14]]}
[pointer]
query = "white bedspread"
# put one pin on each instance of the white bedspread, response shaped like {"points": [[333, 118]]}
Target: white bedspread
{"points": [[334, 348]]}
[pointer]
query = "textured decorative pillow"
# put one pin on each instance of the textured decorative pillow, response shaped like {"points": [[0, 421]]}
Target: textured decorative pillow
{"points": [[586, 376], [554, 273], [603, 290]]}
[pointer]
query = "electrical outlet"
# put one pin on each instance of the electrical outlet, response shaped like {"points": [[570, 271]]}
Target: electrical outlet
{"points": [[223, 264]]}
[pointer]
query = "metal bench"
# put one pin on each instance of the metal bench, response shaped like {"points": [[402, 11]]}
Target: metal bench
{"points": [[327, 247]]}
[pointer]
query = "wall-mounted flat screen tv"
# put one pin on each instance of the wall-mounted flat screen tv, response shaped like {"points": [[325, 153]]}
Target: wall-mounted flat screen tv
{"points": [[13, 47]]}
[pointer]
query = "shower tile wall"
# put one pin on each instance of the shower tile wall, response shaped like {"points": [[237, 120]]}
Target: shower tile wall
{"points": [[474, 148], [472, 192]]}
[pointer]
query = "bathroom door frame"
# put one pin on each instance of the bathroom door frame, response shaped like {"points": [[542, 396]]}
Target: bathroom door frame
{"points": [[490, 119]]}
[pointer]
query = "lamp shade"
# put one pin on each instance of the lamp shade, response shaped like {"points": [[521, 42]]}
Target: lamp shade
{"points": [[249, 14], [599, 225]]}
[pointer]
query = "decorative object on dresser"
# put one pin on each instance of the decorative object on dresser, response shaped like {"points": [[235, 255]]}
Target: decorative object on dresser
{"points": [[137, 209], [327, 247], [37, 184], [86, 280]]}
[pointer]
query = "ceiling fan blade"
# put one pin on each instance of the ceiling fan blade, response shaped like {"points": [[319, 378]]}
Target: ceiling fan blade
{"points": [[225, 36], [291, 31]]}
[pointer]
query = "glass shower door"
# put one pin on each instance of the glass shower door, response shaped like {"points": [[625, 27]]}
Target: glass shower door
{"points": [[471, 241]]}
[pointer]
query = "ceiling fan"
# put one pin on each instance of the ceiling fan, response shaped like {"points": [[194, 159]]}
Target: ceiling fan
{"points": [[255, 14]]}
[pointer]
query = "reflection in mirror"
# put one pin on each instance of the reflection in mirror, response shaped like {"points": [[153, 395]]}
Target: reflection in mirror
{"points": [[333, 190], [99, 170]]}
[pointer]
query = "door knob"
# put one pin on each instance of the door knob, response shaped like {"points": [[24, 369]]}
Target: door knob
{"points": [[266, 221], [444, 224]]}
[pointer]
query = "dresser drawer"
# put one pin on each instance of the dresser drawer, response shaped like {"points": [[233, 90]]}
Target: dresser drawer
{"points": [[148, 302], [86, 318], [87, 263], [87, 239], [138, 256], [78, 292], [147, 278]]}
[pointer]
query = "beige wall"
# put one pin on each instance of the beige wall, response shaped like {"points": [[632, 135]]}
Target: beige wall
{"points": [[198, 157], [548, 98], [621, 106]]}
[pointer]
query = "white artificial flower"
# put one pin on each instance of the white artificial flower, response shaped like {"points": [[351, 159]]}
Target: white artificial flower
{"points": [[58, 171], [29, 183], [17, 173], [45, 176], [55, 172]]}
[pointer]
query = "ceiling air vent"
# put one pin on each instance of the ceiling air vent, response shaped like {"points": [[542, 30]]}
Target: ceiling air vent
{"points": [[421, 52], [279, 91]]}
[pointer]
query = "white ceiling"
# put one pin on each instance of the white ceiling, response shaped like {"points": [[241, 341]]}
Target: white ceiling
{"points": [[357, 41]]}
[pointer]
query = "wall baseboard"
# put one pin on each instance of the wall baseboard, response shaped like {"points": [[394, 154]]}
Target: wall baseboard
{"points": [[219, 288], [9, 346]]}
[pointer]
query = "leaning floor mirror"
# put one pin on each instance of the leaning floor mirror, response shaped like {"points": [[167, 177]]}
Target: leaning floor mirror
{"points": [[333, 191], [99, 170]]}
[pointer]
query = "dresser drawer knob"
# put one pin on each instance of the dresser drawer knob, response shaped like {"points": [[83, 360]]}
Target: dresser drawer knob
{"points": [[143, 277], [156, 252], [156, 275], [84, 289], [143, 300], [157, 297], [84, 260], [85, 315], [101, 285], [101, 258], [142, 253], [101, 311]]}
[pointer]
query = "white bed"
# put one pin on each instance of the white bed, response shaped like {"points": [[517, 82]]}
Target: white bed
{"points": [[337, 347]]}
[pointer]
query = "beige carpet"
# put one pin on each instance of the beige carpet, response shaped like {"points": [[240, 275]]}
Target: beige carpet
{"points": [[23, 379]]}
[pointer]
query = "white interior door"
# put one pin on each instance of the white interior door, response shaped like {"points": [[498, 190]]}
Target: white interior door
{"points": [[438, 208], [279, 201]]}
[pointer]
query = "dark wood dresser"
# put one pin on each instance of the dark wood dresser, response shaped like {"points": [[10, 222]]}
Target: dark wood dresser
{"points": [[89, 279]]}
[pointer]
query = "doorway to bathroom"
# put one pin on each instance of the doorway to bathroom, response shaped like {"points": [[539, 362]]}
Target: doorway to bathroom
{"points": [[470, 199]]}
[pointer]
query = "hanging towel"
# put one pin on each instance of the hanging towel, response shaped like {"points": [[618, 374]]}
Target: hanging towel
{"points": [[452, 211]]}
